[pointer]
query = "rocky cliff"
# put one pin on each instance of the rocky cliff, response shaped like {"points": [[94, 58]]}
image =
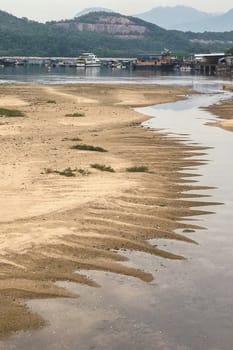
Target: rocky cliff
{"points": [[114, 24]]}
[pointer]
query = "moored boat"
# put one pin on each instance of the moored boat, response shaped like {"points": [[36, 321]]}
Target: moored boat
{"points": [[88, 59], [157, 62]]}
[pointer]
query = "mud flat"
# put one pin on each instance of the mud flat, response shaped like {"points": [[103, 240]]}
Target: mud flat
{"points": [[80, 180]]}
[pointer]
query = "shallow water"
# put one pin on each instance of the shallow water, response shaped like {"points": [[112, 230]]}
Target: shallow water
{"points": [[189, 305], [61, 75]]}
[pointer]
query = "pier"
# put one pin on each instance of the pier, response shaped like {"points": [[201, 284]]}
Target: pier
{"points": [[207, 63]]}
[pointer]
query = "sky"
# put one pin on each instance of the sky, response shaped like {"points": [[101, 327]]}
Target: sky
{"points": [[45, 10]]}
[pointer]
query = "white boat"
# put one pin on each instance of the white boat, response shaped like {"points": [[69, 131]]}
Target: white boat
{"points": [[88, 59]]}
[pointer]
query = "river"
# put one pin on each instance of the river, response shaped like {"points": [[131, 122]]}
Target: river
{"points": [[189, 306]]}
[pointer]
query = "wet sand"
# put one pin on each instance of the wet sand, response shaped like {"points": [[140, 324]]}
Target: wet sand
{"points": [[224, 110], [53, 225]]}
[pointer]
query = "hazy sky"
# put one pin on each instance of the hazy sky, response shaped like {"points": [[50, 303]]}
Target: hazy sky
{"points": [[43, 10]]}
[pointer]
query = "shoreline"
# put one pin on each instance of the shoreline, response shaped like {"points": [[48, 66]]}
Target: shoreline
{"points": [[223, 110], [53, 224]]}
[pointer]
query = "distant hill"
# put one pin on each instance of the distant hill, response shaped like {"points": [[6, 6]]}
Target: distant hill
{"points": [[218, 23], [115, 24], [92, 9], [186, 18], [173, 17], [107, 34], [136, 35], [20, 36], [146, 36]]}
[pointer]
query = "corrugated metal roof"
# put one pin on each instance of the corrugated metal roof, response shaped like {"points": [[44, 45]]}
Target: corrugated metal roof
{"points": [[210, 54]]}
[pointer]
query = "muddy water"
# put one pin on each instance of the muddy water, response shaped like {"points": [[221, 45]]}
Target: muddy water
{"points": [[189, 305]]}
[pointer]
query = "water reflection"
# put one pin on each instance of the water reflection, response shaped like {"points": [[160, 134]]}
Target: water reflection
{"points": [[57, 75]]}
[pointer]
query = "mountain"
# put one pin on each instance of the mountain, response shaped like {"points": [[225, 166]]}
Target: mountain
{"points": [[186, 18], [217, 23], [92, 9], [22, 37], [143, 36], [136, 35], [173, 17], [107, 34], [115, 24]]}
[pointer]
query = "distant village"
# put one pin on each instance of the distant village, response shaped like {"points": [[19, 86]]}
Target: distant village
{"points": [[207, 63]]}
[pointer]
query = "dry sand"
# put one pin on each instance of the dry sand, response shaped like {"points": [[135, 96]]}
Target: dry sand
{"points": [[53, 225]]}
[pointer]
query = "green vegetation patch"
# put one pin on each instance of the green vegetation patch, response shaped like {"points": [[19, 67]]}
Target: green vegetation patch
{"points": [[83, 172], [72, 139], [5, 112], [68, 172], [75, 115], [138, 169], [84, 147], [102, 167]]}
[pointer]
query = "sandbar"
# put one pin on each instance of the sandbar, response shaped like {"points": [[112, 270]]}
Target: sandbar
{"points": [[66, 208]]}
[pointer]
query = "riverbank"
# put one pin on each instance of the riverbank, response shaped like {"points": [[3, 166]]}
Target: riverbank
{"points": [[80, 181], [224, 110]]}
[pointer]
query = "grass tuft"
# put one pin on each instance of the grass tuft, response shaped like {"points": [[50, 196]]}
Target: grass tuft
{"points": [[137, 169], [68, 172], [102, 167], [75, 115], [84, 147], [83, 172], [5, 112], [72, 139]]}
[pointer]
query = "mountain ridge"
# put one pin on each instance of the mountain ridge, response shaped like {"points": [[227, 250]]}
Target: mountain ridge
{"points": [[186, 18], [87, 10], [107, 34]]}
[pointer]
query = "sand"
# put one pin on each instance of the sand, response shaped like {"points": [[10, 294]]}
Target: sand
{"points": [[224, 110], [53, 225]]}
